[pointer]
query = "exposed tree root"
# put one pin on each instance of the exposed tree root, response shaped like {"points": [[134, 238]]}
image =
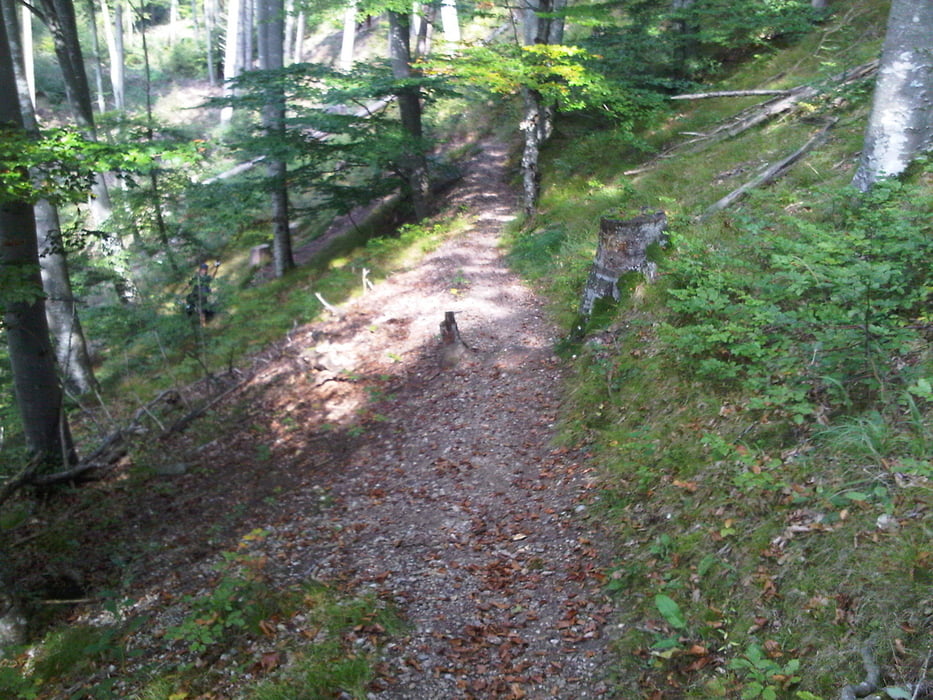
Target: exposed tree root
{"points": [[872, 675]]}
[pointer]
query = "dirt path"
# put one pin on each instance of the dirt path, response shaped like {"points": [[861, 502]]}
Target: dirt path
{"points": [[368, 466], [456, 504]]}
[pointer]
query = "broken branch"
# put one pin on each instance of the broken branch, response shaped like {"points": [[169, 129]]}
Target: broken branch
{"points": [[769, 175], [730, 93]]}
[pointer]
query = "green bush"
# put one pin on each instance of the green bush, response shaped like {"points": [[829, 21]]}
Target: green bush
{"points": [[814, 316]]}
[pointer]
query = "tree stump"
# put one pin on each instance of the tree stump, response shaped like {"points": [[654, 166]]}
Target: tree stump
{"points": [[623, 247], [452, 346], [260, 255]]}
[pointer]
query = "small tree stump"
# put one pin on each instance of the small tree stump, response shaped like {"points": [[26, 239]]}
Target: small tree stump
{"points": [[260, 255], [623, 247], [452, 346]]}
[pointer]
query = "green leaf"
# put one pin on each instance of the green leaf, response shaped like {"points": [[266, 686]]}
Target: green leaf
{"points": [[898, 693], [670, 610]]}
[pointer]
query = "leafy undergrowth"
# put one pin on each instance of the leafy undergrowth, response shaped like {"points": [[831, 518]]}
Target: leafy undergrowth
{"points": [[763, 410], [308, 641]]}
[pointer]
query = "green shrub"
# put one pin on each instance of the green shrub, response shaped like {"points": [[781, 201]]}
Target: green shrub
{"points": [[819, 315]]}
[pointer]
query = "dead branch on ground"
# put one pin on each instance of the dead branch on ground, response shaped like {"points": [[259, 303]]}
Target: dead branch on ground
{"points": [[770, 174]]}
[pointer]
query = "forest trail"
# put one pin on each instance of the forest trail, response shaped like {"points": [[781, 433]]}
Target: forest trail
{"points": [[456, 504], [346, 454]]}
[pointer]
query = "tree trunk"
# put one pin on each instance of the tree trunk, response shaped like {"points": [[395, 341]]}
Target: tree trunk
{"points": [[271, 36], [35, 383], [450, 21], [901, 123], [349, 36], [60, 308], [59, 16], [426, 30], [536, 127], [247, 23], [298, 52], [414, 163], [28, 54], [232, 65], [289, 33], [95, 48], [113, 33], [210, 22], [540, 27], [623, 247]]}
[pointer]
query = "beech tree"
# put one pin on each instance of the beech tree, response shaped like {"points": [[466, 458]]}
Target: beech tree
{"points": [[36, 387], [113, 32], [543, 25], [900, 126], [60, 305], [59, 17]]}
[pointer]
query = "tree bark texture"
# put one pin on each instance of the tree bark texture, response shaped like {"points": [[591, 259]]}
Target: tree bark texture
{"points": [[540, 27], [35, 383], [623, 247], [414, 164], [536, 127], [901, 123], [271, 39]]}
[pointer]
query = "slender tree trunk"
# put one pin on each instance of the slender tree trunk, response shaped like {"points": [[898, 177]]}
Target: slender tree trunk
{"points": [[161, 229], [59, 16], [409, 102], [210, 22], [96, 63], [271, 39], [247, 24], [232, 65], [450, 21], [289, 33], [298, 53], [535, 127], [35, 383], [901, 123], [349, 36], [113, 33], [28, 54], [426, 29], [541, 26], [60, 307]]}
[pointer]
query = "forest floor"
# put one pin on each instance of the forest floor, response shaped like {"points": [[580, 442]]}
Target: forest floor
{"points": [[349, 455]]}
